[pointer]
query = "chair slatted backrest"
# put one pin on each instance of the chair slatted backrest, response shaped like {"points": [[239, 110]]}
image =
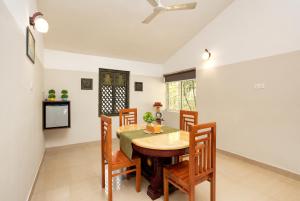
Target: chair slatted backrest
{"points": [[202, 156], [106, 138], [188, 119], [128, 116]]}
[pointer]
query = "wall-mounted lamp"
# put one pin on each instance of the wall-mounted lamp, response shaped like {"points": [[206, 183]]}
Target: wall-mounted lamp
{"points": [[38, 22], [206, 55]]}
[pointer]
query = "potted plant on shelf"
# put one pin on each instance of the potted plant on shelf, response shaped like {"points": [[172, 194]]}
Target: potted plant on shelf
{"points": [[149, 119], [51, 96], [64, 95]]}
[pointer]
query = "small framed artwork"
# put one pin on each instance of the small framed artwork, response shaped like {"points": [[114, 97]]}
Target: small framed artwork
{"points": [[86, 84], [30, 45], [138, 86]]}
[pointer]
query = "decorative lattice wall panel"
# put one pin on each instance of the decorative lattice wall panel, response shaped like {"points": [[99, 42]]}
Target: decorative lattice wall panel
{"points": [[113, 91]]}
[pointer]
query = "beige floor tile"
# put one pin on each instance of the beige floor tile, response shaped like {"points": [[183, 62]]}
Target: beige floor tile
{"points": [[73, 174]]}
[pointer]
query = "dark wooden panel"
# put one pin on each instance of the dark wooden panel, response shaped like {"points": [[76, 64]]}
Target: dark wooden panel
{"points": [[113, 91], [183, 75]]}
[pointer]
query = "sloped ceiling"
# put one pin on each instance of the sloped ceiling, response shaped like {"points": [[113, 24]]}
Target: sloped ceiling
{"points": [[113, 28]]}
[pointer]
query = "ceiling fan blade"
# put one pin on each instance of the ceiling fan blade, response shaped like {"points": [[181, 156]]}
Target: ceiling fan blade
{"points": [[151, 17], [186, 6], [154, 3]]}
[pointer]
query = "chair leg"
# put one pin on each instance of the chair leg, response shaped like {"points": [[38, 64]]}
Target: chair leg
{"points": [[138, 176], [213, 188], [109, 183], [103, 172], [192, 193], [166, 185], [127, 175]]}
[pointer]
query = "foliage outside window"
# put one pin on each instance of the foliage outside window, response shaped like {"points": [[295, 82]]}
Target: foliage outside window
{"points": [[181, 95]]}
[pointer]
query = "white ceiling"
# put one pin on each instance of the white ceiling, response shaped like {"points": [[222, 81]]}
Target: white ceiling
{"points": [[113, 28]]}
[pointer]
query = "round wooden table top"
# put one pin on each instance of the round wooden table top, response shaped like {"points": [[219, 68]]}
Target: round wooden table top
{"points": [[131, 127], [170, 141]]}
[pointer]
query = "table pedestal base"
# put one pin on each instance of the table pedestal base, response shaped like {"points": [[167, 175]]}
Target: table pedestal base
{"points": [[154, 193], [155, 189], [153, 172]]}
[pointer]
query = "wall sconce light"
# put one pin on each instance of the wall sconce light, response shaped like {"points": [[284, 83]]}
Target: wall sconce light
{"points": [[206, 55], [38, 22]]}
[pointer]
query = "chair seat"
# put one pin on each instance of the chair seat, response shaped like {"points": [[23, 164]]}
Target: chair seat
{"points": [[179, 174], [120, 160]]}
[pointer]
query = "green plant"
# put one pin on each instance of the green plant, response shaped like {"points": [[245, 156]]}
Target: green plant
{"points": [[51, 96], [64, 91], [148, 117], [64, 94], [51, 91]]}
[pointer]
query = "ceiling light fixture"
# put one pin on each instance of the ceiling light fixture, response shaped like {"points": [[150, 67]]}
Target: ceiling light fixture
{"points": [[206, 55], [38, 22]]}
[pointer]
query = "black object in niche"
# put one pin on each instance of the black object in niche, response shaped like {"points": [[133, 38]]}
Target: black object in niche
{"points": [[56, 114]]}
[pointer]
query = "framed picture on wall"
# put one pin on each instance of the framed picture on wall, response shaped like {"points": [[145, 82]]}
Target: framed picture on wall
{"points": [[138, 86], [86, 84], [30, 45]]}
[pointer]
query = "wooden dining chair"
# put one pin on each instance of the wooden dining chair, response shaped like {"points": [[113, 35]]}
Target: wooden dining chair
{"points": [[200, 167], [188, 119], [128, 116], [116, 161]]}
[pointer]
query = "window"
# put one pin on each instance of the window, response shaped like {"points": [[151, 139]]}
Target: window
{"points": [[181, 90], [113, 91], [181, 95]]}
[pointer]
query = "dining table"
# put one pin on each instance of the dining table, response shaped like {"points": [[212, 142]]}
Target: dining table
{"points": [[155, 150]]}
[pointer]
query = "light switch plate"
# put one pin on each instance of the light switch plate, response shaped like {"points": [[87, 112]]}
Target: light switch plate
{"points": [[259, 86]]}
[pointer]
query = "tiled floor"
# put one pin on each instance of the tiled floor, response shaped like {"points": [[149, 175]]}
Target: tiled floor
{"points": [[74, 174]]}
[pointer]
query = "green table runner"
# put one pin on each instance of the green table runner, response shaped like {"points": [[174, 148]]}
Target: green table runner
{"points": [[127, 137]]}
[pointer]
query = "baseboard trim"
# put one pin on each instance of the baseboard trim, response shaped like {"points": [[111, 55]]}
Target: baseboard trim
{"points": [[68, 146], [280, 171], [36, 177]]}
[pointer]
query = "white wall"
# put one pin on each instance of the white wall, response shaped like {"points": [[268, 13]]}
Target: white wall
{"points": [[65, 69], [245, 31], [21, 10], [84, 104], [21, 85], [260, 124], [79, 62], [171, 118]]}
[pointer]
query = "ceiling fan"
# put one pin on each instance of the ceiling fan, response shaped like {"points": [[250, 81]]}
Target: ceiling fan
{"points": [[159, 8]]}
